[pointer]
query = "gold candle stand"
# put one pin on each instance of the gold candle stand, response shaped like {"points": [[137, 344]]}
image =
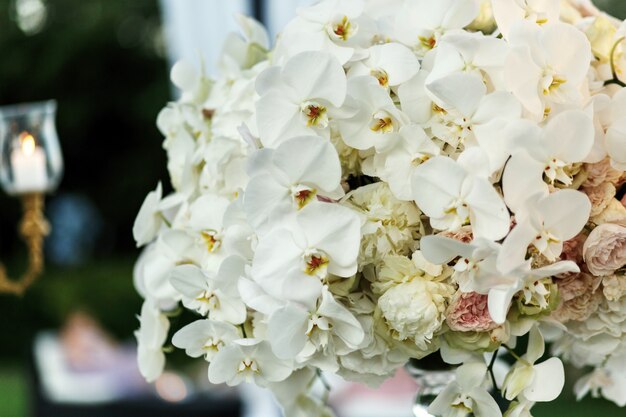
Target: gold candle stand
{"points": [[33, 229]]}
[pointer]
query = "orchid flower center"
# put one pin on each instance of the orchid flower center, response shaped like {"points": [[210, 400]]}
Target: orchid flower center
{"points": [[212, 345], [419, 158], [555, 170], [315, 114], [316, 263], [318, 330], [536, 293], [551, 82], [382, 122], [457, 213], [302, 195], [207, 301], [463, 402], [249, 368], [466, 270], [382, 77], [544, 242], [540, 18], [342, 29], [428, 42], [211, 239]]}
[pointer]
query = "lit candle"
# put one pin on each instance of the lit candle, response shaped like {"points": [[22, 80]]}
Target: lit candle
{"points": [[29, 165]]}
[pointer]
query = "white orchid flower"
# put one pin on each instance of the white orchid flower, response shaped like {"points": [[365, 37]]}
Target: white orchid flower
{"points": [[545, 153], [520, 408], [176, 122], [483, 267], [615, 141], [542, 71], [377, 122], [193, 84], [205, 338], [296, 332], [547, 222], [476, 260], [239, 236], [397, 165], [171, 248], [472, 53], [299, 98], [206, 223], [472, 117], [337, 27], [415, 101], [224, 166], [609, 115], [421, 23], [609, 380], [391, 64], [152, 333], [214, 295], [149, 218], [283, 184], [509, 281], [293, 260], [455, 193], [242, 52], [540, 12], [466, 395], [248, 360], [540, 382]]}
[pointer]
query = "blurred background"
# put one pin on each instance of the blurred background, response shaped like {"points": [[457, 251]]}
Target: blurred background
{"points": [[106, 62]]}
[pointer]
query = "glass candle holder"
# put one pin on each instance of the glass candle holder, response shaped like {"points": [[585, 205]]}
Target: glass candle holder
{"points": [[30, 158]]}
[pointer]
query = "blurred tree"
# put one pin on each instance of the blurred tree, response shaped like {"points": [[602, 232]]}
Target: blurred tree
{"points": [[102, 60], [615, 7]]}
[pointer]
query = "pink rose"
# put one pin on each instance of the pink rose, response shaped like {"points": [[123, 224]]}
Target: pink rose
{"points": [[464, 234], [624, 200], [573, 249], [579, 297], [468, 312], [604, 251]]}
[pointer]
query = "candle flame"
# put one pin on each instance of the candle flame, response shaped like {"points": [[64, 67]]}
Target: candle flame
{"points": [[27, 143]]}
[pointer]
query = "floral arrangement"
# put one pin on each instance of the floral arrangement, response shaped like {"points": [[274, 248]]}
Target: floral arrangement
{"points": [[394, 179]]}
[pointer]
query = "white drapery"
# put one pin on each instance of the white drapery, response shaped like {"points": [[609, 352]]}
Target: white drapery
{"points": [[196, 29]]}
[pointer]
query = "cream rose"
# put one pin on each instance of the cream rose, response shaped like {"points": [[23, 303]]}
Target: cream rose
{"points": [[615, 212], [604, 251], [601, 172]]}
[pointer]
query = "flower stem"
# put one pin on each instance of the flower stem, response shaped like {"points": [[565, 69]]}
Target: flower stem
{"points": [[515, 355], [326, 385], [490, 369], [615, 80]]}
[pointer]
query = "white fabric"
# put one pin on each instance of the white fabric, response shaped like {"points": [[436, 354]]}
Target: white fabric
{"points": [[196, 29]]}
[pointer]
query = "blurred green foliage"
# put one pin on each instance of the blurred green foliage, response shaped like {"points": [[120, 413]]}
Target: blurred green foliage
{"points": [[615, 7], [103, 61]]}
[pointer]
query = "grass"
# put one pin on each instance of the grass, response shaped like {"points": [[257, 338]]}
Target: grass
{"points": [[13, 392]]}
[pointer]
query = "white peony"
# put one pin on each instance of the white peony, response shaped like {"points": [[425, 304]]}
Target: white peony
{"points": [[415, 310]]}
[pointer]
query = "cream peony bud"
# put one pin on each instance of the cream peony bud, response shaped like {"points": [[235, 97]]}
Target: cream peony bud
{"points": [[605, 249], [601, 34], [415, 309]]}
